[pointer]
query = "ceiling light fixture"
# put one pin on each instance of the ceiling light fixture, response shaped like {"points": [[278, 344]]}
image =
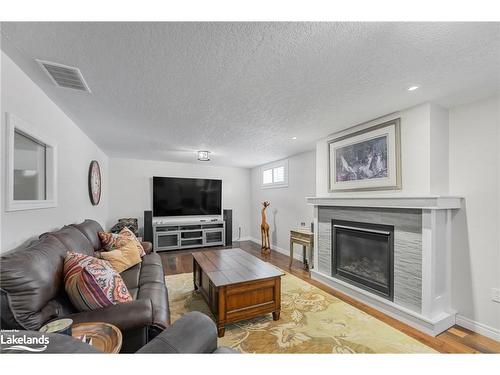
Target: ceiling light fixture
{"points": [[294, 138], [203, 155], [413, 88]]}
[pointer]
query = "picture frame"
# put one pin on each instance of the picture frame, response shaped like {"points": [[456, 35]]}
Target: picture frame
{"points": [[366, 160]]}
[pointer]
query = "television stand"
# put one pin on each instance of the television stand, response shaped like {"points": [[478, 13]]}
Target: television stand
{"points": [[178, 235]]}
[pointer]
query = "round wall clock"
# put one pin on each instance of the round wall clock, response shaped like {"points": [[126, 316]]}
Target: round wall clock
{"points": [[94, 182]]}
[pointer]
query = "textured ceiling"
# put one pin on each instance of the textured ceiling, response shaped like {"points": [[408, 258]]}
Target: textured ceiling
{"points": [[241, 90]]}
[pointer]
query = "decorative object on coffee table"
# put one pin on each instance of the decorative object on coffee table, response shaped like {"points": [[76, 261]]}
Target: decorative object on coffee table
{"points": [[237, 285], [366, 159], [304, 237], [94, 182], [105, 337], [129, 222], [264, 230]]}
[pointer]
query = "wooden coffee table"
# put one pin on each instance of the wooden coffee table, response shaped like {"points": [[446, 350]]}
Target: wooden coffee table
{"points": [[236, 285]]}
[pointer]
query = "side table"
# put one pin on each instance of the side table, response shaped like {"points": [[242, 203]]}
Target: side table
{"points": [[105, 337], [305, 238]]}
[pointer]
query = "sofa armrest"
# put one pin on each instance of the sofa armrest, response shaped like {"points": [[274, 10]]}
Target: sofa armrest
{"points": [[127, 315], [148, 247], [194, 332]]}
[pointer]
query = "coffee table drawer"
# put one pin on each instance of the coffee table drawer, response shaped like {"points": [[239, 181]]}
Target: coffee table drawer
{"points": [[241, 297]]}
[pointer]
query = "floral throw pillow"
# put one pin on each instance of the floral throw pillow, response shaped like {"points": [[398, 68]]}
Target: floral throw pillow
{"points": [[113, 241], [92, 283]]}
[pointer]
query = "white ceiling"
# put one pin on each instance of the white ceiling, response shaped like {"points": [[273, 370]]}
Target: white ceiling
{"points": [[162, 91]]}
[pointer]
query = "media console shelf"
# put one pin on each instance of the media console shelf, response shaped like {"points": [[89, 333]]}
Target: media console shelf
{"points": [[186, 235]]}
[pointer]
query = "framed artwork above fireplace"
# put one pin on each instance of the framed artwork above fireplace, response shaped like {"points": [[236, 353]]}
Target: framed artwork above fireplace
{"points": [[367, 159]]}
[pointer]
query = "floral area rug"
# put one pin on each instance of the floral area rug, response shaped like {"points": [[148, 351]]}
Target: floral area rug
{"points": [[311, 321]]}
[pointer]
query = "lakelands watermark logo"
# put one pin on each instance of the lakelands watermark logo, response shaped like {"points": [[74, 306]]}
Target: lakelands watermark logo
{"points": [[12, 342]]}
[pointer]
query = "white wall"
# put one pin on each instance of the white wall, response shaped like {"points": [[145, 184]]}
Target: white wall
{"points": [[475, 174], [26, 100], [439, 150], [132, 191], [288, 205], [420, 174]]}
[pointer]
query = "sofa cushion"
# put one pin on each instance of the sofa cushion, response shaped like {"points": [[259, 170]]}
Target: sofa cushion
{"points": [[73, 239], [92, 283], [131, 276], [90, 228], [122, 258], [30, 279]]}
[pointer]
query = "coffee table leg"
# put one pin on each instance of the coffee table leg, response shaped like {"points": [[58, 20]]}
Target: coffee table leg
{"points": [[195, 271], [277, 298], [220, 316]]}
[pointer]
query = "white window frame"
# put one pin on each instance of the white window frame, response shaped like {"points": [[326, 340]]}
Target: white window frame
{"points": [[276, 164], [13, 124]]}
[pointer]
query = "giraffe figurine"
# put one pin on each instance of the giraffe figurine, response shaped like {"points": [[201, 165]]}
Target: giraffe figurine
{"points": [[264, 231]]}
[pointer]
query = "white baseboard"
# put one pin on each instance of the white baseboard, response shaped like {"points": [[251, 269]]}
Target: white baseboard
{"points": [[477, 327], [248, 238], [296, 254]]}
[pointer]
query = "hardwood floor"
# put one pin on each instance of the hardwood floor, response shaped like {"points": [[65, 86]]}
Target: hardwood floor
{"points": [[455, 340]]}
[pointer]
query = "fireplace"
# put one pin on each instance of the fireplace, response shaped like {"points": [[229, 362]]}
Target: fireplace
{"points": [[363, 255]]}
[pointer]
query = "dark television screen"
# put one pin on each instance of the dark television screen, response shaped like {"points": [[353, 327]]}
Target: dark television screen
{"points": [[186, 196]]}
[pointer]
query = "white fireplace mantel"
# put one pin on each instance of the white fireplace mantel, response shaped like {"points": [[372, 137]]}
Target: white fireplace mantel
{"points": [[423, 202], [435, 313]]}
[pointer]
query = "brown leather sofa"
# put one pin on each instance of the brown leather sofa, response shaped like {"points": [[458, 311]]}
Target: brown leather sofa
{"points": [[32, 290]]}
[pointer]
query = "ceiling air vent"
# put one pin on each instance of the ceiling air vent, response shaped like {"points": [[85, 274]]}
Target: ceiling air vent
{"points": [[64, 76]]}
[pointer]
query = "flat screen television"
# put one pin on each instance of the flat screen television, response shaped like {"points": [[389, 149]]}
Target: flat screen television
{"points": [[173, 196]]}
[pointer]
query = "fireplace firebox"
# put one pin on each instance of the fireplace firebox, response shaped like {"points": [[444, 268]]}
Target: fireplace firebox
{"points": [[363, 255]]}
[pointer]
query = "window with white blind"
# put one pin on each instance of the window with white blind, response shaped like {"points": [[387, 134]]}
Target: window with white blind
{"points": [[275, 175]]}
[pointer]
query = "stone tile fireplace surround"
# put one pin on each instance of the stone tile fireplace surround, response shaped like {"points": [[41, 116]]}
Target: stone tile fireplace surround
{"points": [[421, 254]]}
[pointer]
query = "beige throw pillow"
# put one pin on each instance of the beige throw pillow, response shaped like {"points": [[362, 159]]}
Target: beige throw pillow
{"points": [[123, 257]]}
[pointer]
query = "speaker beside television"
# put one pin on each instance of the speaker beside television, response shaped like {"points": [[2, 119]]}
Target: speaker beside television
{"points": [[228, 218], [148, 226]]}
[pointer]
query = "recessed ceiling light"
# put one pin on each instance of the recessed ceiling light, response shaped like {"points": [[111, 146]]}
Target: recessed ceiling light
{"points": [[203, 155], [294, 138], [413, 88]]}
